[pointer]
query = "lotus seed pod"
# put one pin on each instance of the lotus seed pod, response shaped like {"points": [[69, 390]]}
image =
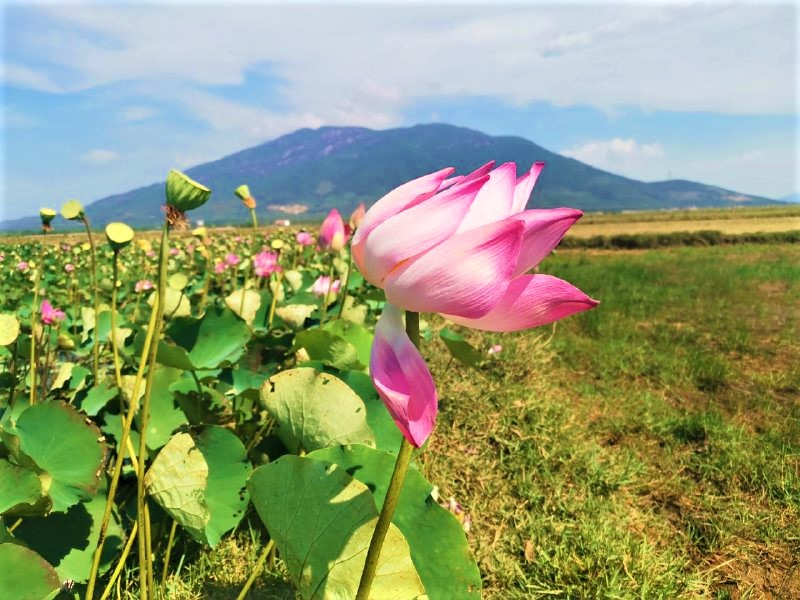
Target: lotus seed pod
{"points": [[72, 210], [47, 215], [247, 199], [276, 244], [200, 232], [118, 235], [65, 342], [184, 193]]}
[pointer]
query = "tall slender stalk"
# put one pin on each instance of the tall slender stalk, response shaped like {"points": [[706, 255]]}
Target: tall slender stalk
{"points": [[34, 315], [346, 282], [93, 257], [145, 552], [393, 493], [114, 349], [327, 298]]}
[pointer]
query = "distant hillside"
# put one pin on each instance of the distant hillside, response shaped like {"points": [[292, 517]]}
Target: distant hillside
{"points": [[342, 166]]}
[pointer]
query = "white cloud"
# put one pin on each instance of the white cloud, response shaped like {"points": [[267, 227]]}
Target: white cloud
{"points": [[138, 113], [99, 157], [627, 157]]}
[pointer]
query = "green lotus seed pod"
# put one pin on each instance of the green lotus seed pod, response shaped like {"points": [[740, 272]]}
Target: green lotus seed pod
{"points": [[242, 191], [65, 342], [72, 210], [118, 235], [47, 215], [184, 193]]}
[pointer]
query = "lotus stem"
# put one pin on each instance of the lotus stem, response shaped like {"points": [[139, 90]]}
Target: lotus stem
{"points": [[256, 570], [327, 298], [393, 493], [274, 302], [93, 257], [34, 313], [145, 550], [123, 442], [114, 349], [165, 568], [346, 281], [121, 562]]}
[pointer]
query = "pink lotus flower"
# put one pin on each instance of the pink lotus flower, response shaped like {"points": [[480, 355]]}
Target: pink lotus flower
{"points": [[265, 263], [174, 251], [51, 315], [402, 378], [232, 259], [22, 266], [463, 246], [321, 285], [460, 246], [496, 349], [69, 267], [220, 267], [332, 234], [357, 216], [304, 238], [143, 285]]}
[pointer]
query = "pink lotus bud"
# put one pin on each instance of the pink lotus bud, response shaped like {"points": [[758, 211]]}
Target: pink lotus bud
{"points": [[332, 235], [22, 266], [220, 267], [143, 285], [357, 216], [232, 259], [69, 267], [265, 263], [321, 285], [304, 238], [51, 315]]}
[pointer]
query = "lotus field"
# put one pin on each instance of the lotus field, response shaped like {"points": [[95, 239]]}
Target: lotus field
{"points": [[160, 389]]}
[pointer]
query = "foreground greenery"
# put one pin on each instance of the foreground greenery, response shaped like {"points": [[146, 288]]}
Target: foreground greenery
{"points": [[649, 449]]}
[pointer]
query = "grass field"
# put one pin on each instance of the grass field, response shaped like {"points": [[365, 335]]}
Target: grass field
{"points": [[649, 449]]}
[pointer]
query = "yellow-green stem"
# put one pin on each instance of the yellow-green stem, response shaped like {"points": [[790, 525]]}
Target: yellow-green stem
{"points": [[114, 349], [165, 568], [327, 299], [145, 552], [274, 302], [93, 257], [34, 314], [256, 570], [392, 493], [121, 562], [346, 282]]}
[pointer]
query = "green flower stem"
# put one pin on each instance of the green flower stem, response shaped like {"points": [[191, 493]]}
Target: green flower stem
{"points": [[327, 298], [392, 493], [256, 570], [145, 548], [274, 302], [123, 442], [121, 562], [93, 257], [346, 282], [34, 314], [165, 569], [114, 349]]}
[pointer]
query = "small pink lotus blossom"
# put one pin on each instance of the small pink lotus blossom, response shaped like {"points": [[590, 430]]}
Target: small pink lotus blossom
{"points": [[143, 285], [50, 315], [304, 238], [2, 257], [332, 234], [496, 349], [232, 259], [150, 253], [190, 248], [174, 251], [220, 267], [321, 285], [69, 267], [237, 239], [265, 263], [65, 246], [402, 378], [22, 266]]}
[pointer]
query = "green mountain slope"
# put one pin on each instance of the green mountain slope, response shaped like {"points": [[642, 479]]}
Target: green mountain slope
{"points": [[342, 166]]}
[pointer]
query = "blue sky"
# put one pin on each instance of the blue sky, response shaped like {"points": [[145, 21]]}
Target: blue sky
{"points": [[101, 98]]}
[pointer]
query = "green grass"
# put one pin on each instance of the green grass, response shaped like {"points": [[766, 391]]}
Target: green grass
{"points": [[650, 449]]}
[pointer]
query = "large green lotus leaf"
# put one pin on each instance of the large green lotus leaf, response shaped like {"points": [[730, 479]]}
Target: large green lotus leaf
{"points": [[200, 407], [217, 339], [176, 304], [354, 313], [387, 435], [328, 347], [461, 349], [58, 441], [315, 410], [295, 315], [438, 544], [247, 308], [63, 375], [68, 540], [21, 491], [165, 413], [97, 398], [322, 521], [9, 329], [201, 483], [226, 494], [24, 575], [357, 335]]}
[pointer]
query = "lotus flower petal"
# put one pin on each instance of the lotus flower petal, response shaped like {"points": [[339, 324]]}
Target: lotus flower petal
{"points": [[524, 187], [493, 202], [465, 275], [416, 230], [544, 228], [332, 234], [530, 301], [402, 378]]}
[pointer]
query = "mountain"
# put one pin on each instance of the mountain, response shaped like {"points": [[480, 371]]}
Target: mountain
{"points": [[341, 166], [791, 198]]}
